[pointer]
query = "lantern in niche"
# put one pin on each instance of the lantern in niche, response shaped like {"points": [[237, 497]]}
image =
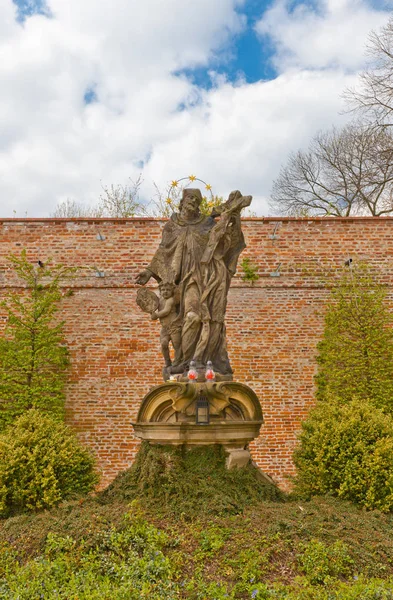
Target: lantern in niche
{"points": [[202, 409]]}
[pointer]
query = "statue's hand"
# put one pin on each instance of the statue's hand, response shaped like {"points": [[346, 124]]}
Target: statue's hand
{"points": [[143, 277], [154, 315]]}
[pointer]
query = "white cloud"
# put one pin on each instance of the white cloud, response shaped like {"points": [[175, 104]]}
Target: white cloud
{"points": [[333, 35], [54, 146], [240, 135]]}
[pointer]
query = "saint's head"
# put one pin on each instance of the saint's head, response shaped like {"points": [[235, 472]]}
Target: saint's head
{"points": [[190, 203]]}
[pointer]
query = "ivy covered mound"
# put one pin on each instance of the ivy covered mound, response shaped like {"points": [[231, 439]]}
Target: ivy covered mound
{"points": [[190, 482], [324, 549], [178, 525]]}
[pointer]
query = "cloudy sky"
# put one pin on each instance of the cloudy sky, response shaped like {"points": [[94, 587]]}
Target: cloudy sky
{"points": [[97, 92]]}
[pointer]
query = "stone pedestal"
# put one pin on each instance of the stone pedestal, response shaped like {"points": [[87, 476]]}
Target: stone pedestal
{"points": [[238, 459], [168, 416]]}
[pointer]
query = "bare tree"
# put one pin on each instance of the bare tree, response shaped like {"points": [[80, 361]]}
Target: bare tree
{"points": [[69, 209], [122, 200], [373, 97], [344, 172], [165, 201]]}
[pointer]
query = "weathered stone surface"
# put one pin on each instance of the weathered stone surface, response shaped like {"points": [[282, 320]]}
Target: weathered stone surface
{"points": [[174, 401], [227, 433], [237, 459], [194, 265], [168, 414], [263, 476]]}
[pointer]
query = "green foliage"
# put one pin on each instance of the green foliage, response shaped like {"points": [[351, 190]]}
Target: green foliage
{"points": [[347, 450], [212, 539], [356, 352], [127, 563], [346, 443], [374, 589], [33, 356], [250, 271], [41, 463], [136, 560], [190, 482], [321, 563], [324, 549], [253, 564], [8, 559]]}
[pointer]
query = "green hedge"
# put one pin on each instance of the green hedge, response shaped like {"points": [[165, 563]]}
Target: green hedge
{"points": [[41, 463], [347, 451]]}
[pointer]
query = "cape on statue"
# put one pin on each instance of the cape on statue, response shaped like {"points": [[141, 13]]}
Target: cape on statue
{"points": [[194, 264]]}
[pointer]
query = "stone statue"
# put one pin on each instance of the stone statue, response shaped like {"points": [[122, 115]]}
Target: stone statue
{"points": [[198, 254], [170, 323]]}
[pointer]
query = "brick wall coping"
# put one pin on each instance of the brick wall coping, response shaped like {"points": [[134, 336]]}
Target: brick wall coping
{"points": [[284, 219]]}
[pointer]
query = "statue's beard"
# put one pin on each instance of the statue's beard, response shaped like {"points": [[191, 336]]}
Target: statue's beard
{"points": [[189, 213]]}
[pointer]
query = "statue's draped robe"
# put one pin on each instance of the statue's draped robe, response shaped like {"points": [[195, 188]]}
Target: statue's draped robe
{"points": [[200, 257]]}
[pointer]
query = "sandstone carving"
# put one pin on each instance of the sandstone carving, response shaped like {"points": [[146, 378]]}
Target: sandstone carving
{"points": [[167, 415], [194, 264], [198, 403]]}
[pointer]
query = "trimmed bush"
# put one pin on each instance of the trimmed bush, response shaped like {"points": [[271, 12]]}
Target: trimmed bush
{"points": [[347, 451], [41, 463], [356, 352]]}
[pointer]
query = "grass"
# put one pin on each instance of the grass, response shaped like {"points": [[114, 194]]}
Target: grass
{"points": [[170, 531]]}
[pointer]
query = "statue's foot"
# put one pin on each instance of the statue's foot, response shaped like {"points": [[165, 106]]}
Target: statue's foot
{"points": [[176, 369]]}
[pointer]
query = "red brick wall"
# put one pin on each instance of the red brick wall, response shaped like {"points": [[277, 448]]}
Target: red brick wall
{"points": [[273, 327]]}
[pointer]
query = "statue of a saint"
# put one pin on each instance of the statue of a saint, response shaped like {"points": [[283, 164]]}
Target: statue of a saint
{"points": [[199, 255]]}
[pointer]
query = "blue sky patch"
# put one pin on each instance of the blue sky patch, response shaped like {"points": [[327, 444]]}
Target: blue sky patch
{"points": [[90, 96], [381, 4], [249, 55], [28, 8]]}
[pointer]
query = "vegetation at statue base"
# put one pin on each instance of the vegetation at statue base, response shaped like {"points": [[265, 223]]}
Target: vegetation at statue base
{"points": [[346, 444], [153, 535], [190, 482], [323, 549], [33, 355]]}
